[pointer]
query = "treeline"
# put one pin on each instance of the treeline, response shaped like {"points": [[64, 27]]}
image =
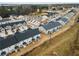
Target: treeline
{"points": [[5, 11]]}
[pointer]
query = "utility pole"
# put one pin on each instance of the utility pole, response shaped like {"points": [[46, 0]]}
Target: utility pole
{"points": [[49, 33]]}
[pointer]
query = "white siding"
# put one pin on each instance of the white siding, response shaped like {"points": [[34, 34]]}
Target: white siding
{"points": [[20, 43], [61, 22], [26, 40], [11, 48], [29, 40], [0, 52], [42, 29], [46, 32], [50, 30], [35, 37], [6, 50]]}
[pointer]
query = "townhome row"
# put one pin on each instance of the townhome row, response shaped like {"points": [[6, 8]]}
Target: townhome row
{"points": [[18, 40], [10, 27], [56, 24], [19, 35]]}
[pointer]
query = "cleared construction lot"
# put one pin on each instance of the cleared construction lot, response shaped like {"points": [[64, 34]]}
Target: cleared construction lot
{"points": [[44, 38], [56, 40], [62, 44]]}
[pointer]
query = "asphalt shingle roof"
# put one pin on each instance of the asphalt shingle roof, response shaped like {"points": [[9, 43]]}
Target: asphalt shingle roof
{"points": [[51, 25], [26, 34], [62, 18], [4, 20], [10, 40], [19, 36], [11, 24]]}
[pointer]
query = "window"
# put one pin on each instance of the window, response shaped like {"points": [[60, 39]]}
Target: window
{"points": [[21, 46], [16, 47], [30, 41], [3, 53], [33, 39], [38, 37], [24, 43]]}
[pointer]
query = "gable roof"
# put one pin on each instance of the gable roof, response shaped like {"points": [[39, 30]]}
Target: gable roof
{"points": [[12, 23], [19, 36], [64, 19], [10, 40], [18, 22], [26, 34], [4, 20], [51, 25]]}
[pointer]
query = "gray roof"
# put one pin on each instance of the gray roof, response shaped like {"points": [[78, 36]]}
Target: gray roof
{"points": [[18, 22], [10, 40], [19, 36], [11, 24], [4, 25], [1, 38], [26, 34], [4, 20], [51, 25], [65, 20]]}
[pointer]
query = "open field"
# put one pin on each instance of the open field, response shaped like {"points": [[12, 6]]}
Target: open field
{"points": [[76, 43]]}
